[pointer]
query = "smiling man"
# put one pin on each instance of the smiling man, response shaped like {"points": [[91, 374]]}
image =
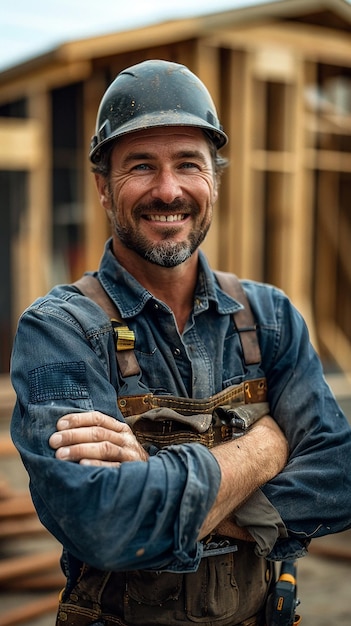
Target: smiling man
{"points": [[174, 171], [159, 198], [134, 384]]}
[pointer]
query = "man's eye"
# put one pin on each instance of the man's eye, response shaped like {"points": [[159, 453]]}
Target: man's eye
{"points": [[189, 166], [141, 166]]}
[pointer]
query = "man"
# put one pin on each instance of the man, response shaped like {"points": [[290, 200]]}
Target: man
{"points": [[158, 524]]}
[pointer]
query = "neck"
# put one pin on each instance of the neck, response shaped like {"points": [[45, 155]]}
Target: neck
{"points": [[174, 286]]}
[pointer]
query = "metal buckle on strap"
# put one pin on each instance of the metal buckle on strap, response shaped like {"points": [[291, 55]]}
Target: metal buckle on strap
{"points": [[125, 338], [213, 545]]}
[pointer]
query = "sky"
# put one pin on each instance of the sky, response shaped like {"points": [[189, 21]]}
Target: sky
{"points": [[29, 28]]}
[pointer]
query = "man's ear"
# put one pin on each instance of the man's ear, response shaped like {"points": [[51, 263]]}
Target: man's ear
{"points": [[103, 191]]}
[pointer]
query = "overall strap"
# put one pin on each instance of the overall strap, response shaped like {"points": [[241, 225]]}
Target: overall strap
{"points": [[91, 287], [243, 319]]}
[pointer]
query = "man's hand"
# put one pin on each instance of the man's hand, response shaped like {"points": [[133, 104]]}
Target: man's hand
{"points": [[94, 438]]}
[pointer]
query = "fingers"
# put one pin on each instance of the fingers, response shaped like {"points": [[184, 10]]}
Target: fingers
{"points": [[90, 418], [91, 434], [95, 438], [102, 451], [97, 463], [89, 427]]}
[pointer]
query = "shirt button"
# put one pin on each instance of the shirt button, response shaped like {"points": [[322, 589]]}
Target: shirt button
{"points": [[176, 352], [156, 306]]}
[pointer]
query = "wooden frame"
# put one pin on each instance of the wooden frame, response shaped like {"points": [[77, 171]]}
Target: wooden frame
{"points": [[256, 63]]}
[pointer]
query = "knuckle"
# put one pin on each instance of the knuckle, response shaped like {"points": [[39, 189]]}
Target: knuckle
{"points": [[99, 418], [68, 438], [107, 450], [98, 433]]}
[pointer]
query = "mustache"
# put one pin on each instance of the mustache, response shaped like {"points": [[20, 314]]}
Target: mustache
{"points": [[158, 206]]}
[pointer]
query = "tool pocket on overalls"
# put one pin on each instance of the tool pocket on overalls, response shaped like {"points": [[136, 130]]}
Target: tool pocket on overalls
{"points": [[152, 597], [153, 588], [82, 606], [212, 592]]}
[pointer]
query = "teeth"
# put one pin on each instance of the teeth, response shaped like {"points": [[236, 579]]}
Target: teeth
{"points": [[166, 218]]}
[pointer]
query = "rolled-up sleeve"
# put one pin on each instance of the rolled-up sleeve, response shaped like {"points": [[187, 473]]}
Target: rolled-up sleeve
{"points": [[140, 515], [312, 494]]}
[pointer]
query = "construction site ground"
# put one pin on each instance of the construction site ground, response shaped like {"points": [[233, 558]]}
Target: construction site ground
{"points": [[324, 576]]}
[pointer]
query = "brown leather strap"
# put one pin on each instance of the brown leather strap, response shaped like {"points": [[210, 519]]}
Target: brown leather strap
{"points": [[249, 391], [243, 319], [91, 287]]}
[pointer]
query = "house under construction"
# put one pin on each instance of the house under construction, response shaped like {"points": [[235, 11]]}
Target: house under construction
{"points": [[280, 75]]}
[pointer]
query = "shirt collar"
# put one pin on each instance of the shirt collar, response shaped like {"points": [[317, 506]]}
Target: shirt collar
{"points": [[130, 296], [208, 290]]}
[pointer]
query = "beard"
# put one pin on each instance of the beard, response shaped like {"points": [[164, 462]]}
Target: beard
{"points": [[167, 253]]}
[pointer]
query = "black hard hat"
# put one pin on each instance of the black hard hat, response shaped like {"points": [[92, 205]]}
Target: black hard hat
{"points": [[153, 94]]}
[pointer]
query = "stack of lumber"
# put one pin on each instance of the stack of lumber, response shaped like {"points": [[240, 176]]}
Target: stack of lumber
{"points": [[29, 558]]}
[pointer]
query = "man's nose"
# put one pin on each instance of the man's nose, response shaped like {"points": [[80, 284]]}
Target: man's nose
{"points": [[166, 187]]}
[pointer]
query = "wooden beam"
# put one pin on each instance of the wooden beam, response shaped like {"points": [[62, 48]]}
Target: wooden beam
{"points": [[309, 41], [240, 236], [328, 160], [18, 505], [34, 582], [30, 611], [277, 161], [96, 228], [336, 343], [131, 40], [23, 527], [273, 10], [46, 78], [31, 247], [298, 243], [327, 236], [207, 67], [14, 567], [20, 143], [250, 208], [275, 63]]}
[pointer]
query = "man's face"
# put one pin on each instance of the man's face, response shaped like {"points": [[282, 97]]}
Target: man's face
{"points": [[160, 193]]}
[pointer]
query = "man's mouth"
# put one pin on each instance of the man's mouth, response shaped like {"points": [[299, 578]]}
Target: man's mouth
{"points": [[179, 217]]}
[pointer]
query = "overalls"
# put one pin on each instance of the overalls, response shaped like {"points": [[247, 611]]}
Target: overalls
{"points": [[231, 584]]}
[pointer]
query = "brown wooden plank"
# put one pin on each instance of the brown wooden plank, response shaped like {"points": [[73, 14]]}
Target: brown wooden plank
{"points": [[19, 143], [19, 566], [19, 504], [22, 527], [45, 581], [24, 613]]}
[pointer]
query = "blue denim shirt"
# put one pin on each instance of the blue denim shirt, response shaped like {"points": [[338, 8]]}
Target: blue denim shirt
{"points": [[147, 515]]}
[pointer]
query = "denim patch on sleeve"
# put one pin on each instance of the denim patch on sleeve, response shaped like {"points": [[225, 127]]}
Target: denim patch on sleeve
{"points": [[58, 381]]}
